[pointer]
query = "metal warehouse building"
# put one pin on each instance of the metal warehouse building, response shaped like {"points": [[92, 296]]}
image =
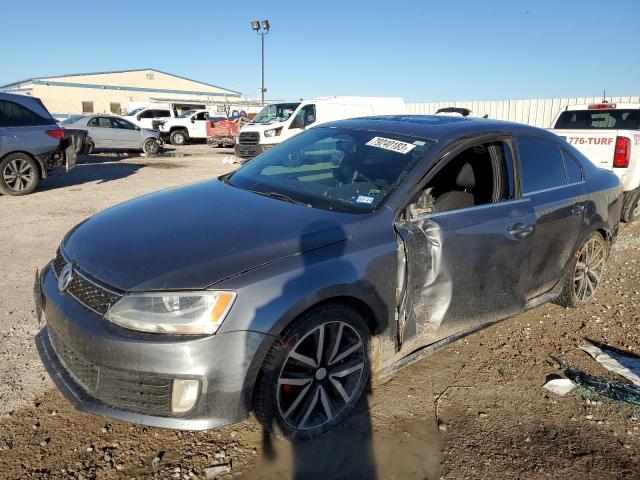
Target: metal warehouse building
{"points": [[113, 92]]}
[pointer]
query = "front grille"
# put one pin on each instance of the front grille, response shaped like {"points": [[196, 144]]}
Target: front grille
{"points": [[249, 138], [131, 391], [93, 296]]}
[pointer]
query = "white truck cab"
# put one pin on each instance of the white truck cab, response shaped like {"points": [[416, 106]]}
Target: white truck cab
{"points": [[190, 124], [279, 121], [609, 135], [144, 116]]}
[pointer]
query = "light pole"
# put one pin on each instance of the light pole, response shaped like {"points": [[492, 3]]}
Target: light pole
{"points": [[265, 26]]}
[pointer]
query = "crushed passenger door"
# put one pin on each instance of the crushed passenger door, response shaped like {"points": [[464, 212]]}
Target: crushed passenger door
{"points": [[464, 268]]}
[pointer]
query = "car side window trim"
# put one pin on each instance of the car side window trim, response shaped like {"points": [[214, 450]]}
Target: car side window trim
{"points": [[567, 157], [474, 208]]}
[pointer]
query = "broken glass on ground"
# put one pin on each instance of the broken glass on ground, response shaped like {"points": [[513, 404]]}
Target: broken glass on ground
{"points": [[623, 363]]}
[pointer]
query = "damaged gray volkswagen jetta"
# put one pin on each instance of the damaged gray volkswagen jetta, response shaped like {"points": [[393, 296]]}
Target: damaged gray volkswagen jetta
{"points": [[349, 249]]}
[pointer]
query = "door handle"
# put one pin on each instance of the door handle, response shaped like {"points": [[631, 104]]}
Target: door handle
{"points": [[520, 230], [577, 210]]}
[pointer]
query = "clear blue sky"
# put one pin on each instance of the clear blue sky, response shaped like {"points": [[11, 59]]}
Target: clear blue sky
{"points": [[420, 50]]}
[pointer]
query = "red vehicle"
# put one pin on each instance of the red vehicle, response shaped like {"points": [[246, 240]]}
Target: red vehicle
{"points": [[224, 132]]}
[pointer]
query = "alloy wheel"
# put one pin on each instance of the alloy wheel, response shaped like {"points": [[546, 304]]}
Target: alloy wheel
{"points": [[18, 175], [151, 146], [321, 375], [589, 269]]}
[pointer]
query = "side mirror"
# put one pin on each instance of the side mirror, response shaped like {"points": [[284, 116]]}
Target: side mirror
{"points": [[298, 122], [193, 119], [139, 116], [138, 128]]}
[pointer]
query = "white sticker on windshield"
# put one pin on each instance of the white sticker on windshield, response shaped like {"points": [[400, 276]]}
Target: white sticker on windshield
{"points": [[364, 199], [390, 144]]}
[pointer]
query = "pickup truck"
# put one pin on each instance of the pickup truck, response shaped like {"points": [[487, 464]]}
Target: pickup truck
{"points": [[609, 135], [191, 124]]}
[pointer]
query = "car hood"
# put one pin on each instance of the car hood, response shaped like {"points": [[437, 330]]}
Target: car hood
{"points": [[147, 132], [194, 236]]}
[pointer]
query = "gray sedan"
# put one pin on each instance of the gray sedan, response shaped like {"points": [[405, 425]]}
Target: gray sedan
{"points": [[111, 133], [350, 249]]}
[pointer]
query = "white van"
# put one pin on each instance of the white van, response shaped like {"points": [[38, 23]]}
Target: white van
{"points": [[280, 121]]}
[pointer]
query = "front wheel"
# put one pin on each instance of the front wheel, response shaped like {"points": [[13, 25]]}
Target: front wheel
{"points": [[19, 174], [315, 374], [631, 206], [150, 146], [585, 273]]}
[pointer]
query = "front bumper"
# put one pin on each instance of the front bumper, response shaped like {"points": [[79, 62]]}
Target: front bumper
{"points": [[113, 372], [248, 151]]}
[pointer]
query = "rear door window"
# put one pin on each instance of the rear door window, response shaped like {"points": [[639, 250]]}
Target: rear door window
{"points": [[15, 115], [101, 122], [541, 164]]}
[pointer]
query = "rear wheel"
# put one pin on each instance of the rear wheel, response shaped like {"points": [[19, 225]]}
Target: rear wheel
{"points": [[585, 273], [178, 137], [19, 174], [89, 147], [314, 376], [631, 206]]}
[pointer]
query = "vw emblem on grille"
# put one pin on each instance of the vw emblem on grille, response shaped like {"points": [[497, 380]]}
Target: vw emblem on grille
{"points": [[66, 275]]}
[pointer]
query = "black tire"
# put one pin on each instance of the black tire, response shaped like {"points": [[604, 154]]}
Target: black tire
{"points": [[179, 137], [585, 272], [285, 409], [150, 146], [631, 206], [19, 174], [89, 147]]}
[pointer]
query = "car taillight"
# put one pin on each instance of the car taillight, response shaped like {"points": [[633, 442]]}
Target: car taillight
{"points": [[57, 133], [621, 153]]}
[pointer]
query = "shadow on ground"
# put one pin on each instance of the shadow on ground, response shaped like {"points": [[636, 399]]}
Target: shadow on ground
{"points": [[90, 168]]}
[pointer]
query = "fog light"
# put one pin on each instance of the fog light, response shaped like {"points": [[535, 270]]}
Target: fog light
{"points": [[184, 395]]}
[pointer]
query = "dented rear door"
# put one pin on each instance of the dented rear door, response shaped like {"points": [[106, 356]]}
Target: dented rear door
{"points": [[464, 268]]}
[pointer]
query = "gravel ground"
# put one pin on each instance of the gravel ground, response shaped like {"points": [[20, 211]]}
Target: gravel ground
{"points": [[494, 419]]}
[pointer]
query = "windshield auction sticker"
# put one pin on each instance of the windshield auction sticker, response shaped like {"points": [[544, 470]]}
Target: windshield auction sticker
{"points": [[390, 144]]}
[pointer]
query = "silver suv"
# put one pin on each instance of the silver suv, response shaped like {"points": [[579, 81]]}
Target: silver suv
{"points": [[31, 144]]}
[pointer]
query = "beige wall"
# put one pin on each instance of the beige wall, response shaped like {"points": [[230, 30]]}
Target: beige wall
{"points": [[139, 79], [61, 100]]}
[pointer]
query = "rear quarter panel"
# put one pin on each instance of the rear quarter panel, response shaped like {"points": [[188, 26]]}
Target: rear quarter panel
{"points": [[30, 139]]}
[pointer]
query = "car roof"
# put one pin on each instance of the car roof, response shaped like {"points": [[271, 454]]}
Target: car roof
{"points": [[31, 103], [436, 127]]}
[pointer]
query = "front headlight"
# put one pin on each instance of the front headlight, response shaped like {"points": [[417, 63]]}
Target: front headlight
{"points": [[274, 132], [180, 313]]}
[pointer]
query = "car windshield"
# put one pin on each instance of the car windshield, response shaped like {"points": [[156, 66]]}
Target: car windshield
{"points": [[187, 113], [350, 171], [71, 119], [134, 112], [613, 119], [278, 112]]}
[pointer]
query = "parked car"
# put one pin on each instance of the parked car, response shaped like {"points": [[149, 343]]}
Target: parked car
{"points": [[32, 144], [609, 135], [112, 134], [279, 121], [279, 287]]}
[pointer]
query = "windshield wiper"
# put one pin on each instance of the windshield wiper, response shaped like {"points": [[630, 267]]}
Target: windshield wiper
{"points": [[279, 196]]}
